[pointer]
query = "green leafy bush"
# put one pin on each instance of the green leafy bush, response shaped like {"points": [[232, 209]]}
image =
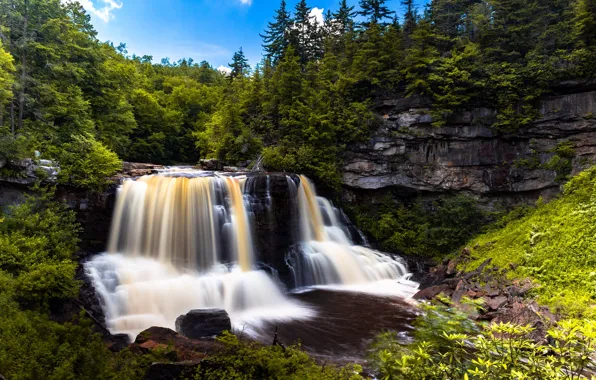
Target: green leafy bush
{"points": [[250, 360], [458, 350], [87, 163]]}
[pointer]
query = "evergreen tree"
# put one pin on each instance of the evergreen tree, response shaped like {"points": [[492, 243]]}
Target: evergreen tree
{"points": [[343, 18], [409, 17], [275, 39], [375, 11], [584, 22], [240, 67]]}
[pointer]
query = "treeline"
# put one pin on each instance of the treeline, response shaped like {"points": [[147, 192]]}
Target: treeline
{"points": [[309, 96]]}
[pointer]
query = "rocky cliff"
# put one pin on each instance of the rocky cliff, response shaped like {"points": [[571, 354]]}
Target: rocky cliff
{"points": [[407, 155]]}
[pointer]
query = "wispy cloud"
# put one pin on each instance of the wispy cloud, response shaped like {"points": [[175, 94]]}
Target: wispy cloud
{"points": [[246, 2], [103, 11]]}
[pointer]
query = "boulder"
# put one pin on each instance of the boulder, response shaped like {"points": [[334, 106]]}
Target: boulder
{"points": [[178, 347], [202, 323], [432, 292], [496, 302], [118, 342], [210, 164]]}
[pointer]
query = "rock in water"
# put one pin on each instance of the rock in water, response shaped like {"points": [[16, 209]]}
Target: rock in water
{"points": [[203, 323]]}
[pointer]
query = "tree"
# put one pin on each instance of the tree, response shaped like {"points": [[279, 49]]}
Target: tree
{"points": [[584, 22], [375, 11], [275, 39], [343, 19], [6, 80], [306, 35], [409, 17], [240, 67]]}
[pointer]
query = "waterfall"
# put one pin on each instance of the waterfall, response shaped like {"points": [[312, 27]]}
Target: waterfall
{"points": [[183, 240], [327, 255], [178, 244]]}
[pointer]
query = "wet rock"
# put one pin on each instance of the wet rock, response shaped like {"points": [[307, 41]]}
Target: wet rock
{"points": [[527, 313], [118, 342], [201, 323], [130, 166], [451, 268], [180, 348], [210, 164], [496, 302], [171, 371], [460, 290], [431, 292]]}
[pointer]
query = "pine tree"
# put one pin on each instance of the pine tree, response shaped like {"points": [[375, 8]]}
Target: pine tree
{"points": [[275, 39], [343, 19], [409, 17], [375, 11], [240, 67], [306, 34], [584, 24]]}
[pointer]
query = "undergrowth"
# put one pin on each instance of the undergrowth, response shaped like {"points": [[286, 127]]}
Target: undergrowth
{"points": [[553, 244]]}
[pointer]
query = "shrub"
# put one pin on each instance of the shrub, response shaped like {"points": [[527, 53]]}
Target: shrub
{"points": [[457, 350], [250, 360], [87, 163]]}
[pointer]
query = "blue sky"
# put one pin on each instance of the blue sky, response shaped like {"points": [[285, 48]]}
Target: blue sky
{"points": [[210, 30]]}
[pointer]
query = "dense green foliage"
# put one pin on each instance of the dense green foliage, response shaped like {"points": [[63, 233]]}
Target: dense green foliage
{"points": [[447, 345], [309, 97], [250, 360], [554, 244], [419, 229], [37, 241]]}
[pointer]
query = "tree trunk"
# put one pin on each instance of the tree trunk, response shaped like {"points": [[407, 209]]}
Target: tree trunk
{"points": [[23, 65]]}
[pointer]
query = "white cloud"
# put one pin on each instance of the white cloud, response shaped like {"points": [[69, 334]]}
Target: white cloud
{"points": [[317, 15], [104, 12], [246, 2], [224, 69]]}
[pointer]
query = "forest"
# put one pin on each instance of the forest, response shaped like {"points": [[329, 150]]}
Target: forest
{"points": [[88, 105], [313, 93]]}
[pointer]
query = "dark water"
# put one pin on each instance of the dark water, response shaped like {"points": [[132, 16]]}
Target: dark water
{"points": [[345, 324]]}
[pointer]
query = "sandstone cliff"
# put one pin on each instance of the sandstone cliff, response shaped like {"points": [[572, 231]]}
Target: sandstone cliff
{"points": [[407, 155]]}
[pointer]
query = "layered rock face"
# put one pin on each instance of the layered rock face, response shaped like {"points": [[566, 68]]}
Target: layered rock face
{"points": [[407, 154]]}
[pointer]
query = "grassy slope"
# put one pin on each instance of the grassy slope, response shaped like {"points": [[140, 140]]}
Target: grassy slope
{"points": [[555, 245]]}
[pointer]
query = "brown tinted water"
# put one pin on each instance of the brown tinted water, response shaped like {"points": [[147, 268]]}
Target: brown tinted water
{"points": [[344, 326]]}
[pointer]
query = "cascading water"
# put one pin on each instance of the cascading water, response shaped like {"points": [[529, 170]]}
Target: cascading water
{"points": [[328, 257], [183, 240], [178, 244]]}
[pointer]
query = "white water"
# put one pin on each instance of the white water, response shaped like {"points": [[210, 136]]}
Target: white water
{"points": [[139, 293], [330, 259], [183, 241]]}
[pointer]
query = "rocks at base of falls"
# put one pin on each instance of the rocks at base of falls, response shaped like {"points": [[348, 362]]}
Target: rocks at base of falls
{"points": [[504, 300], [117, 342], [180, 355], [202, 323]]}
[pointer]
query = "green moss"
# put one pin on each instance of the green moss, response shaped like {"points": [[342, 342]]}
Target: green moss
{"points": [[555, 245]]}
